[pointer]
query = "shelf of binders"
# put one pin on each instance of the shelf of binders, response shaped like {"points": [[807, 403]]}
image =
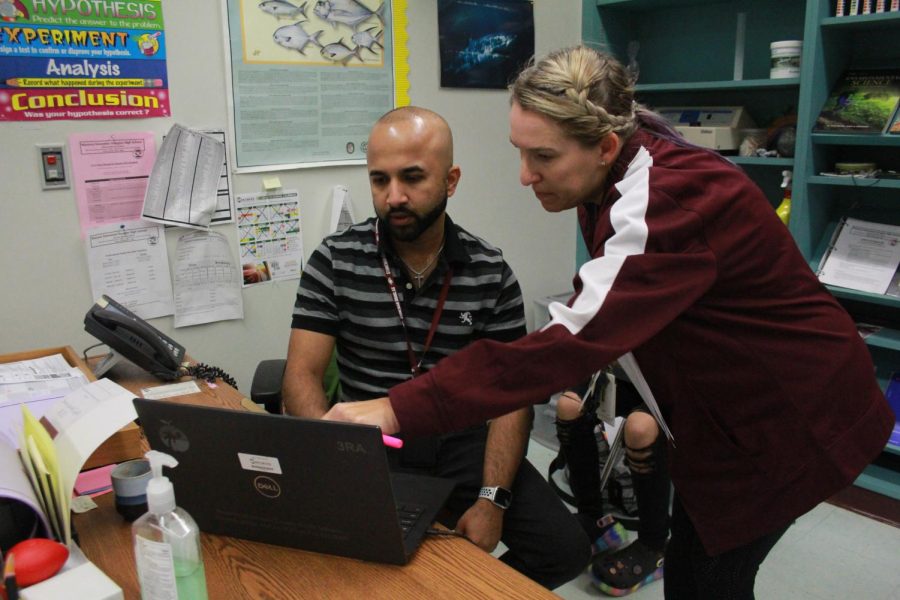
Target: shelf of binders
{"points": [[873, 21]]}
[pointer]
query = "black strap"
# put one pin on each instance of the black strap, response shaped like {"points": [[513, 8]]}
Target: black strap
{"points": [[415, 366]]}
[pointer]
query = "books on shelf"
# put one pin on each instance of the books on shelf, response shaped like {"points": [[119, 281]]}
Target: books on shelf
{"points": [[894, 126], [863, 256], [862, 101], [893, 397], [842, 8]]}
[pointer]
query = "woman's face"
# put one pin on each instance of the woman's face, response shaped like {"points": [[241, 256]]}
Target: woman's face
{"points": [[562, 172]]}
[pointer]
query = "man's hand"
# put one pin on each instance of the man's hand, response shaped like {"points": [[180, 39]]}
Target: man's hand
{"points": [[369, 412], [482, 524]]}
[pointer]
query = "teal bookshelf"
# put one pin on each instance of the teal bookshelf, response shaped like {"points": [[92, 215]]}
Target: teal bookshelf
{"points": [[689, 54]]}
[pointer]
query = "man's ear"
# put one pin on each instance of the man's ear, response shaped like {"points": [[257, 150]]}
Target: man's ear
{"points": [[453, 176]]}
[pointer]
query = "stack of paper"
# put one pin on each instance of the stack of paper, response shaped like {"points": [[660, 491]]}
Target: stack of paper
{"points": [[38, 383], [54, 448]]}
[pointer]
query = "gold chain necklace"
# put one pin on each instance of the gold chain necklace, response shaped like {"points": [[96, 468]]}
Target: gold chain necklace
{"points": [[419, 276]]}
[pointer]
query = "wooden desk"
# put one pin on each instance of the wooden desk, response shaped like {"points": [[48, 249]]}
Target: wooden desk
{"points": [[450, 568]]}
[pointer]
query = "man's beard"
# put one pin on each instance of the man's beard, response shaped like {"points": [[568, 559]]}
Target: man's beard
{"points": [[411, 232]]}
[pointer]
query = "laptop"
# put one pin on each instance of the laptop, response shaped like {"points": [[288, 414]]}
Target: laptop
{"points": [[316, 485]]}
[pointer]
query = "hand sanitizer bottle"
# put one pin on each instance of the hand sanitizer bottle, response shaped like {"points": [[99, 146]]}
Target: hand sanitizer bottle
{"points": [[167, 542]]}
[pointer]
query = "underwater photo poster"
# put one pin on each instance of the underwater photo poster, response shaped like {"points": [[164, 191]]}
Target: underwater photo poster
{"points": [[484, 43], [309, 78]]}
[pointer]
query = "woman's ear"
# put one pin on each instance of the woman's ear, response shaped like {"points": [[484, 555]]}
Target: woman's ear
{"points": [[609, 148]]}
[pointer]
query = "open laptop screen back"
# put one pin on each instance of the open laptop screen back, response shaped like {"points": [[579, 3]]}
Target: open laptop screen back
{"points": [[311, 484]]}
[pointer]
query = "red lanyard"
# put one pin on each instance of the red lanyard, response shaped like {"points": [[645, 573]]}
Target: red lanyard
{"points": [[414, 365]]}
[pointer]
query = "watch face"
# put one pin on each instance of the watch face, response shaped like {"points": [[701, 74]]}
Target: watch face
{"points": [[502, 497]]}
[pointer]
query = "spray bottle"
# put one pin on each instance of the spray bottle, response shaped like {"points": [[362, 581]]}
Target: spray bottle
{"points": [[167, 542], [784, 209]]}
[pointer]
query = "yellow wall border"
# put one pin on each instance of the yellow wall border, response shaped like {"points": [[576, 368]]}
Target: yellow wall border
{"points": [[401, 53]]}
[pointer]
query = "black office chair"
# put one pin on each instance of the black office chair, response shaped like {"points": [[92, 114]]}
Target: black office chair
{"points": [[265, 388]]}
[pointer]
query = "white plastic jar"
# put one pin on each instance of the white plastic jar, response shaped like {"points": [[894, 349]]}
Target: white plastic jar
{"points": [[785, 59]]}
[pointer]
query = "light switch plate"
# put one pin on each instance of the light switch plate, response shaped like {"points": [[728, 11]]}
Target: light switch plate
{"points": [[53, 170]]}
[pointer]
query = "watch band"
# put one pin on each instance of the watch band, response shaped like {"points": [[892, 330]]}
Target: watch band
{"points": [[498, 496]]}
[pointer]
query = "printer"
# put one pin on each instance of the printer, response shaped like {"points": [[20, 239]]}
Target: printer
{"points": [[715, 127]]}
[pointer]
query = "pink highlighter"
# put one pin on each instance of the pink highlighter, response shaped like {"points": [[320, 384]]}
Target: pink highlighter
{"points": [[391, 441]]}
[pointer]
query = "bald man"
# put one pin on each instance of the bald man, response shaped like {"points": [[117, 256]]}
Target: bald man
{"points": [[397, 293]]}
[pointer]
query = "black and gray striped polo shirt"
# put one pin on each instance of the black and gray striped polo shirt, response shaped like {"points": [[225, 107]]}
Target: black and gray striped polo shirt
{"points": [[343, 292]]}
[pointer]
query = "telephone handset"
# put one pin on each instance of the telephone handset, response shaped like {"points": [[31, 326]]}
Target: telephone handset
{"points": [[129, 336]]}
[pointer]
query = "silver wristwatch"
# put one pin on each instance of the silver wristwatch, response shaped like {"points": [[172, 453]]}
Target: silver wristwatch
{"points": [[499, 496]]}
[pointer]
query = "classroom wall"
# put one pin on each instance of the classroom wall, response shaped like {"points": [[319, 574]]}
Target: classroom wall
{"points": [[46, 290]]}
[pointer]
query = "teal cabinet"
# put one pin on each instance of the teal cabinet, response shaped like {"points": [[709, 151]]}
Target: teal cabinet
{"points": [[716, 53]]}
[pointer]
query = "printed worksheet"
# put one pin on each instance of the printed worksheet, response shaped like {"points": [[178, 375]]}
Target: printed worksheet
{"points": [[110, 173], [129, 263], [207, 280], [183, 187], [864, 256]]}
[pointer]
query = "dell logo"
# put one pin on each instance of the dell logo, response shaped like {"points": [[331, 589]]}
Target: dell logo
{"points": [[351, 447], [267, 486]]}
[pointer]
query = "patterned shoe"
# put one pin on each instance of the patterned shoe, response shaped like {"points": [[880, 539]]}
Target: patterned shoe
{"points": [[627, 570], [607, 535]]}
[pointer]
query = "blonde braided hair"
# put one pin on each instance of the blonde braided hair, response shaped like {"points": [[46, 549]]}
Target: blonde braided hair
{"points": [[588, 93]]}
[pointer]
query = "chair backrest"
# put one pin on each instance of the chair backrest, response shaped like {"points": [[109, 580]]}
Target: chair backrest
{"points": [[269, 375]]}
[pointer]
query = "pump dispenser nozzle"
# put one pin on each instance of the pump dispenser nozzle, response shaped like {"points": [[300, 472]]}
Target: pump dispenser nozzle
{"points": [[787, 176], [160, 493]]}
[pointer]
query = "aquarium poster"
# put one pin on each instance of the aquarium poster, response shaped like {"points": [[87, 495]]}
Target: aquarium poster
{"points": [[309, 78], [484, 43], [82, 60]]}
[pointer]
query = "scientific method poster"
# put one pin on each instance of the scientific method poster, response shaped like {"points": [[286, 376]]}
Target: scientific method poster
{"points": [[309, 79], [82, 60]]}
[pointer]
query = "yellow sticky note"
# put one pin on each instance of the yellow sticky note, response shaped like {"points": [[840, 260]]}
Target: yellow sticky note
{"points": [[271, 183]]}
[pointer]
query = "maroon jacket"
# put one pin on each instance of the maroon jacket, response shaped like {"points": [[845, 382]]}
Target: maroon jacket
{"points": [[768, 389]]}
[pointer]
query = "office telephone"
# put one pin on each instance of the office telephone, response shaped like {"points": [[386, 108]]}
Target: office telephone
{"points": [[129, 336]]}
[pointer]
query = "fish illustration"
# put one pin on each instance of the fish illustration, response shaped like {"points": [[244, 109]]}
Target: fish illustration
{"points": [[366, 39], [295, 37], [340, 53], [347, 12], [282, 8], [486, 49]]}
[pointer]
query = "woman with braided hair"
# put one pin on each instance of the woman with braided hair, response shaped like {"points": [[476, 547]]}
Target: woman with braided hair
{"points": [[756, 376]]}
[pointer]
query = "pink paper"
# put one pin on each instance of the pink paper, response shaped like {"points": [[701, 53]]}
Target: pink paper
{"points": [[94, 482]]}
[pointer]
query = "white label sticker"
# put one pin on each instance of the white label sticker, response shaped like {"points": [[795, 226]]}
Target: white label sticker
{"points": [[263, 464], [170, 390], [156, 569]]}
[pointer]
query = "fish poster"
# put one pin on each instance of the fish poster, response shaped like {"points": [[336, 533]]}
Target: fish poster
{"points": [[484, 43], [61, 59], [309, 78]]}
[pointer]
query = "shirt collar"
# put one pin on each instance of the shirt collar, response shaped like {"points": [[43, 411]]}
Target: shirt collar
{"points": [[454, 250]]}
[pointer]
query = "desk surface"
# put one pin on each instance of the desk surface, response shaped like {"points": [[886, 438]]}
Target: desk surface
{"points": [[449, 568]]}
